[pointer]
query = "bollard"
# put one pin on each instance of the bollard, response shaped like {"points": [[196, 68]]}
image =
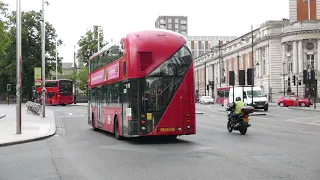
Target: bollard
{"points": [[33, 108]]}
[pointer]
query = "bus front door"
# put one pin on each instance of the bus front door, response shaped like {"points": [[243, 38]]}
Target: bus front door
{"points": [[99, 106]]}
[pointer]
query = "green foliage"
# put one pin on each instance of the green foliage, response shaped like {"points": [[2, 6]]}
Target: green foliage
{"points": [[81, 78], [89, 44], [31, 50]]}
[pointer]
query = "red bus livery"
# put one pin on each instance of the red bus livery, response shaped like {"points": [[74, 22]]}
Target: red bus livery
{"points": [[59, 92], [143, 86]]}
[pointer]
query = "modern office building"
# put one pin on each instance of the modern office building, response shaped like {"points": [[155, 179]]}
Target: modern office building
{"points": [[178, 24], [282, 50]]}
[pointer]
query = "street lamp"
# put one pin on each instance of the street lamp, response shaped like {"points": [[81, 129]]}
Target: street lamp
{"points": [[57, 59], [19, 68], [284, 78], [74, 72], [43, 41]]}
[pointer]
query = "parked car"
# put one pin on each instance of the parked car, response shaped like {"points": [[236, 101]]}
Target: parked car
{"points": [[293, 100], [206, 100]]}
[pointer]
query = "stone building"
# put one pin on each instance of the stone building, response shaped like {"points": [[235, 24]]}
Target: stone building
{"points": [[281, 49]]}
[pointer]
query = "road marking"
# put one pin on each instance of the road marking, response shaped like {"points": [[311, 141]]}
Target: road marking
{"points": [[267, 125], [302, 118], [303, 122], [75, 115], [307, 132]]}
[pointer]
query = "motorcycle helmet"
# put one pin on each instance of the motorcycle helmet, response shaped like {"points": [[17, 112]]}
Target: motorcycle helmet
{"points": [[238, 98]]}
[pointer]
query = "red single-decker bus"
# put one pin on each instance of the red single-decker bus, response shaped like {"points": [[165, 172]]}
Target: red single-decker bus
{"points": [[59, 92], [143, 86]]}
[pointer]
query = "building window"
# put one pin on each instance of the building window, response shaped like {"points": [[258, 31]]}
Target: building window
{"points": [[196, 45], [203, 46], [183, 22], [184, 32], [196, 54], [176, 20], [176, 26], [183, 27], [169, 20], [209, 44], [170, 26], [310, 61]]}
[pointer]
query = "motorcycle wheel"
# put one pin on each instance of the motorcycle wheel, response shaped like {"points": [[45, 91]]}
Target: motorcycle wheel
{"points": [[243, 130], [229, 126]]}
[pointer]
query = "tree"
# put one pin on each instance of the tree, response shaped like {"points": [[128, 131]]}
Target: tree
{"points": [[81, 78], [3, 30], [89, 44], [31, 50]]}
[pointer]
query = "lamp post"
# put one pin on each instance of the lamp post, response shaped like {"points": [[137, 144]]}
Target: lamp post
{"points": [[19, 68], [74, 72], [253, 71], [284, 78], [43, 41], [57, 59]]}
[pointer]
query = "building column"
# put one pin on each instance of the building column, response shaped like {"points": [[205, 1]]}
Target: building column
{"points": [[294, 58], [260, 63], [317, 65], [284, 58], [300, 57], [285, 67], [267, 61]]}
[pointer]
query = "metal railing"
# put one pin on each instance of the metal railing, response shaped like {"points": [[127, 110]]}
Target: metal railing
{"points": [[33, 108]]}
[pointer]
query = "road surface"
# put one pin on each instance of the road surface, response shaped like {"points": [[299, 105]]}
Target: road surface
{"points": [[284, 145]]}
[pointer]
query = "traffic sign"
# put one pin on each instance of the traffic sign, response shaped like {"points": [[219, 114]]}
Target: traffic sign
{"points": [[44, 89]]}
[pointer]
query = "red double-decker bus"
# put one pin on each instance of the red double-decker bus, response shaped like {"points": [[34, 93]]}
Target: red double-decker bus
{"points": [[143, 86], [59, 92]]}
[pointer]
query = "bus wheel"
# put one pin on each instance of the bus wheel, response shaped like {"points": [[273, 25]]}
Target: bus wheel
{"points": [[116, 129]]}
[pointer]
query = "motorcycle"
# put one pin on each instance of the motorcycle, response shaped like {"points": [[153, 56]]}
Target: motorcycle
{"points": [[240, 123]]}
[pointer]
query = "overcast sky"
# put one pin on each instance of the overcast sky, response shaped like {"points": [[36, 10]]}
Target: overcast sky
{"points": [[71, 18]]}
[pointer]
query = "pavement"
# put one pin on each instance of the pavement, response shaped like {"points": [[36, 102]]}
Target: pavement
{"points": [[33, 127], [284, 145]]}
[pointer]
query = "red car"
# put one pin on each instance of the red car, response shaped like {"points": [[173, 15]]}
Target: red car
{"points": [[293, 100]]}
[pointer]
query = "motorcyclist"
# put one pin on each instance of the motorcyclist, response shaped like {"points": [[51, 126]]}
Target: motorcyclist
{"points": [[238, 105]]}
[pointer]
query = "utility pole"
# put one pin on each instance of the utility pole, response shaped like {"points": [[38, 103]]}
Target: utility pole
{"points": [[19, 68], [56, 59], [284, 79], [74, 81], [205, 78], [220, 62], [253, 71], [98, 38], [43, 41]]}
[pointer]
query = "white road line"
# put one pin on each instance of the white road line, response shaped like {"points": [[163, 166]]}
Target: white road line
{"points": [[267, 125], [307, 132], [302, 122], [302, 118]]}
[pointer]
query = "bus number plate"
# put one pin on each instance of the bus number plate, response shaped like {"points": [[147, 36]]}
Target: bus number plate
{"points": [[167, 129]]}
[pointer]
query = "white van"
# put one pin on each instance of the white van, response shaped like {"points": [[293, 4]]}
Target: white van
{"points": [[260, 100]]}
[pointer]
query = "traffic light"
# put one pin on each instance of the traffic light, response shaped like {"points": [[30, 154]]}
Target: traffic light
{"points": [[294, 80], [299, 82], [207, 87], [288, 80], [8, 87], [231, 78]]}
